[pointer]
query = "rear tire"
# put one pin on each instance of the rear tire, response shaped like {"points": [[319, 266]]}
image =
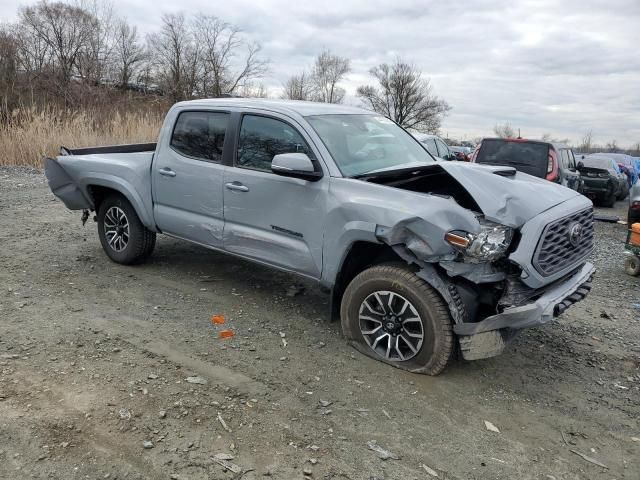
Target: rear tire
{"points": [[393, 303], [632, 265], [124, 238]]}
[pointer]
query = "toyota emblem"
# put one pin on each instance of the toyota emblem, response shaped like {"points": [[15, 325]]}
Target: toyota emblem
{"points": [[575, 234]]}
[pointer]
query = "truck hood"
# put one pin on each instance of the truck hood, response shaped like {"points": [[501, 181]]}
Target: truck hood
{"points": [[503, 194]]}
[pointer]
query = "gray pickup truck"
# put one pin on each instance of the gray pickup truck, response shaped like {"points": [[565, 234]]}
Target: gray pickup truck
{"points": [[420, 257]]}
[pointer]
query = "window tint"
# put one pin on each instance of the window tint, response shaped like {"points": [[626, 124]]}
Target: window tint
{"points": [[572, 159], [200, 134], [431, 147], [442, 149], [564, 153], [262, 138]]}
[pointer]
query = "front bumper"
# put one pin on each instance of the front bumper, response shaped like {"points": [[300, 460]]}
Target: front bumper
{"points": [[490, 336]]}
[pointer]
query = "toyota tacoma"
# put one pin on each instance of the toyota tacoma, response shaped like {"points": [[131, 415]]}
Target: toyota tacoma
{"points": [[422, 259]]}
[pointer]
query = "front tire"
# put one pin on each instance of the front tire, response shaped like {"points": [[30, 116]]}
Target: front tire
{"points": [[124, 238], [391, 314], [610, 201]]}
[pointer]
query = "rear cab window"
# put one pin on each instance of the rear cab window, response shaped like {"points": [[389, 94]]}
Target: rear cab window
{"points": [[200, 135], [525, 156]]}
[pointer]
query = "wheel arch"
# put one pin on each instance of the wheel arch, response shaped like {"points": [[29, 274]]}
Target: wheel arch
{"points": [[99, 189], [360, 255]]}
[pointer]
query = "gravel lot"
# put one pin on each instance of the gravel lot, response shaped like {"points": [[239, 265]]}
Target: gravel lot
{"points": [[98, 363]]}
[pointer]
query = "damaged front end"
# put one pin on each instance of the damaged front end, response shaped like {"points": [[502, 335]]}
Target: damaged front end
{"points": [[498, 279]]}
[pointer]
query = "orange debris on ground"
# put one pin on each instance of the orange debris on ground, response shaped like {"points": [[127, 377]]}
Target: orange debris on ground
{"points": [[217, 319], [225, 334]]}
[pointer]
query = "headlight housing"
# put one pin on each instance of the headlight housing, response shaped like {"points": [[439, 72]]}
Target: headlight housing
{"points": [[488, 245]]}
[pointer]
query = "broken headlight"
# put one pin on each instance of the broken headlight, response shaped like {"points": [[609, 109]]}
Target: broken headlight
{"points": [[489, 244]]}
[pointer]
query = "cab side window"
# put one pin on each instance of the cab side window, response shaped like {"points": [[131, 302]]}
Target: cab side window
{"points": [[200, 135], [431, 146], [443, 150], [262, 138]]}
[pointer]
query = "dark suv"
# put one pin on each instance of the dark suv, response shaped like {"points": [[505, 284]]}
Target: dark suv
{"points": [[554, 162]]}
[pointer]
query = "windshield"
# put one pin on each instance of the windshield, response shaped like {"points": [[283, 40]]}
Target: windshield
{"points": [[363, 143], [527, 157]]}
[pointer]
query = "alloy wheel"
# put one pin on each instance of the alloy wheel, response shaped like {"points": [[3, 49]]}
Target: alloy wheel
{"points": [[116, 228], [391, 326]]}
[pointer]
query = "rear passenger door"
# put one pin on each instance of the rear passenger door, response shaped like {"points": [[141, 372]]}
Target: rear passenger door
{"points": [[270, 218], [188, 175]]}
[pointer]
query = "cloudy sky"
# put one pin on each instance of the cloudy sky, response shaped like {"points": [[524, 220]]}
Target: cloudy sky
{"points": [[561, 67]]}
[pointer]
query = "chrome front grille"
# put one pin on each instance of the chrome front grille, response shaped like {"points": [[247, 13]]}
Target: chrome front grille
{"points": [[564, 242]]}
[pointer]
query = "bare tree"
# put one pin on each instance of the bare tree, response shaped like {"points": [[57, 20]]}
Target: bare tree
{"points": [[587, 142], [328, 71], [34, 53], [172, 50], [65, 29], [547, 137], [504, 130], [253, 90], [612, 146], [404, 96], [299, 87], [228, 61], [128, 53], [95, 57], [8, 70]]}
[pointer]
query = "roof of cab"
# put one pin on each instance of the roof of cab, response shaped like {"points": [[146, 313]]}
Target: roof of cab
{"points": [[281, 106]]}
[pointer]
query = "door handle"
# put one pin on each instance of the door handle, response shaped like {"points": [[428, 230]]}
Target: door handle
{"points": [[167, 172], [236, 187]]}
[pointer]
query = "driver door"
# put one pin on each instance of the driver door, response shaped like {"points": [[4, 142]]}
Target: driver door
{"points": [[268, 217]]}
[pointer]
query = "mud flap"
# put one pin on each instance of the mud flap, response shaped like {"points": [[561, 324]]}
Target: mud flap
{"points": [[64, 187]]}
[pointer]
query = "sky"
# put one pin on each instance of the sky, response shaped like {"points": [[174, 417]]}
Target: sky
{"points": [[560, 67]]}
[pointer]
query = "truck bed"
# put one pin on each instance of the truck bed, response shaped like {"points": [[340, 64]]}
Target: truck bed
{"points": [[75, 173], [126, 148]]}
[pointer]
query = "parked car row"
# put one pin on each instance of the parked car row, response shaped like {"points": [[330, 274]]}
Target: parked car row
{"points": [[553, 162], [603, 177]]}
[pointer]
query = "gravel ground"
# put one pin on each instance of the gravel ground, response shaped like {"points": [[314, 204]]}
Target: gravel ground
{"points": [[118, 372]]}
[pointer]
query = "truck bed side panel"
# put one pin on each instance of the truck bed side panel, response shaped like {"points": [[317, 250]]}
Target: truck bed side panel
{"points": [[63, 186], [126, 173]]}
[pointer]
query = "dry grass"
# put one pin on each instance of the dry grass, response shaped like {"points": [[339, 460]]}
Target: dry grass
{"points": [[32, 135]]}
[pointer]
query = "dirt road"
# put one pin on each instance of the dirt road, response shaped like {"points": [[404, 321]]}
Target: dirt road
{"points": [[103, 371]]}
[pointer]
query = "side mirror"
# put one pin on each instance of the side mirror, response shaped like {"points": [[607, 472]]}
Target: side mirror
{"points": [[580, 165], [296, 165]]}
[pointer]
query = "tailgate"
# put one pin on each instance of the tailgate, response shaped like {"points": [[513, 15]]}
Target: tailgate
{"points": [[63, 187]]}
